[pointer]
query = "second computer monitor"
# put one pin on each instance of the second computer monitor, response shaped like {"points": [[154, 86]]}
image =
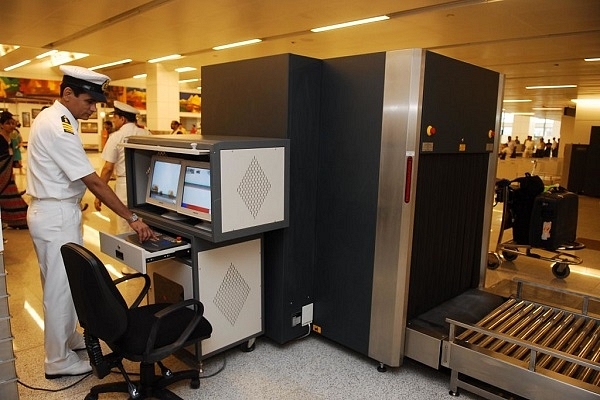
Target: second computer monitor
{"points": [[195, 198]]}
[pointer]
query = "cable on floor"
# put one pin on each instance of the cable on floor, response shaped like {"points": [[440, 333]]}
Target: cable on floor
{"points": [[54, 390]]}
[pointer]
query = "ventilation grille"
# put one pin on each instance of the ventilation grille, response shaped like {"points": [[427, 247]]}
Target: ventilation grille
{"points": [[254, 187], [232, 295]]}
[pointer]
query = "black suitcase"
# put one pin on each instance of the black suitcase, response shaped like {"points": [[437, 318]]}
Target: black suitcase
{"points": [[554, 219], [521, 199]]}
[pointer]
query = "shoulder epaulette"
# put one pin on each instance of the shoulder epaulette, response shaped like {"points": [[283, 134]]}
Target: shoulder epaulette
{"points": [[67, 127]]}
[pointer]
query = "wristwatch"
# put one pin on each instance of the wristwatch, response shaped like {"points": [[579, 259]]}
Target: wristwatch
{"points": [[133, 218]]}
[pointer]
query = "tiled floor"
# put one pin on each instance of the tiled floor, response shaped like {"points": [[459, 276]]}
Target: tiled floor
{"points": [[312, 367]]}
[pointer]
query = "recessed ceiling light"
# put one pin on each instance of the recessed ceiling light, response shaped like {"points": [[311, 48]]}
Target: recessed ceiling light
{"points": [[62, 57], [237, 44], [125, 61], [551, 87], [351, 23], [592, 59], [185, 69], [15, 66], [546, 108], [189, 80], [139, 76], [165, 58], [46, 54]]}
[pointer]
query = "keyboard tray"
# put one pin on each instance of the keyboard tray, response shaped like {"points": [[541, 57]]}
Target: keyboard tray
{"points": [[130, 252]]}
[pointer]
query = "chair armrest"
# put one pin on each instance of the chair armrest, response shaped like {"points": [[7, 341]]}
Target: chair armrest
{"points": [[198, 309], [144, 290]]}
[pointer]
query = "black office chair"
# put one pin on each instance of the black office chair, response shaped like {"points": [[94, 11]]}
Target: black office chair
{"points": [[145, 334]]}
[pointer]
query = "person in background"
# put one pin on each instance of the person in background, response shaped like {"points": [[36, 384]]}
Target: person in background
{"points": [[177, 128], [512, 145], [58, 174], [15, 142], [539, 148], [194, 130], [107, 128], [12, 206], [124, 120], [548, 149], [554, 148], [528, 152]]}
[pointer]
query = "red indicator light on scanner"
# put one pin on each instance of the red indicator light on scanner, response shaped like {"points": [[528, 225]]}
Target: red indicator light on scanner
{"points": [[408, 181]]}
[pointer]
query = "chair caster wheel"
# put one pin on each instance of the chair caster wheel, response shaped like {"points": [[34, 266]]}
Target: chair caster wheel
{"points": [[248, 346], [195, 383], [454, 394], [381, 367]]}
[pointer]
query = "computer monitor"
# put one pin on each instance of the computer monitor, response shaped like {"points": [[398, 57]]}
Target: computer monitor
{"points": [[163, 182], [195, 194]]}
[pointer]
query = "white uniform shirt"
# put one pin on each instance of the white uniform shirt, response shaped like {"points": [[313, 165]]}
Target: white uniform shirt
{"points": [[56, 158], [114, 153]]}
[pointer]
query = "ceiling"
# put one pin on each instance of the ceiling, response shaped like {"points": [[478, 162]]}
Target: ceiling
{"points": [[532, 42]]}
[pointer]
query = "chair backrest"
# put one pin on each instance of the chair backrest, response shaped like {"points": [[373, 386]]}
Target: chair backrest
{"points": [[101, 309]]}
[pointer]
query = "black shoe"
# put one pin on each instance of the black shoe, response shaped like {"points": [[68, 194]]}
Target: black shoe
{"points": [[84, 207]]}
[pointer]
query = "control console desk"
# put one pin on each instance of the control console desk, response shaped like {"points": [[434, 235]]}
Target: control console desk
{"points": [[211, 198]]}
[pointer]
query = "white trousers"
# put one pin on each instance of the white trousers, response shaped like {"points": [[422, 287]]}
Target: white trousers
{"points": [[52, 224]]}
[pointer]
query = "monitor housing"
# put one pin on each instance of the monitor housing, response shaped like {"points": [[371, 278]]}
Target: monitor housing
{"points": [[194, 197], [163, 182]]}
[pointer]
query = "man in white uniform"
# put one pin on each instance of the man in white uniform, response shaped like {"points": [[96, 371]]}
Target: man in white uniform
{"points": [[124, 120], [57, 175]]}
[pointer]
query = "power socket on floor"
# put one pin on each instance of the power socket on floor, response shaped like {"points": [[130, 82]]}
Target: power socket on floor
{"points": [[307, 314]]}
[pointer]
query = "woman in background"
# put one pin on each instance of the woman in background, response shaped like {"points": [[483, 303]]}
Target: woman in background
{"points": [[12, 205], [15, 142]]}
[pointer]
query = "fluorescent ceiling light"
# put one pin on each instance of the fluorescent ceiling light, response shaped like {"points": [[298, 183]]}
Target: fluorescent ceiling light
{"points": [[189, 80], [165, 58], [546, 108], [523, 113], [7, 48], [351, 23], [140, 76], [185, 69], [237, 44], [588, 102], [46, 54], [592, 59], [125, 61], [62, 57], [551, 87], [15, 66], [517, 101]]}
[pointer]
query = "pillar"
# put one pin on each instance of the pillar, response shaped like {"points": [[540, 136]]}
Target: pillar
{"points": [[162, 97]]}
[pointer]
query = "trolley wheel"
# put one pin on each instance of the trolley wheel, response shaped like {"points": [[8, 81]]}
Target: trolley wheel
{"points": [[561, 270], [493, 261], [509, 256]]}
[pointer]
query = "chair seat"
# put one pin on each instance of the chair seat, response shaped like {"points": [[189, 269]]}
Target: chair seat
{"points": [[132, 344]]}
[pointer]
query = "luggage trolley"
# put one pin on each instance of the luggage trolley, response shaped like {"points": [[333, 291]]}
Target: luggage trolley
{"points": [[520, 244]]}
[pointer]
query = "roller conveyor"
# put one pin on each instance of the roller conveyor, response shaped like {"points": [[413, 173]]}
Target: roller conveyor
{"points": [[528, 349]]}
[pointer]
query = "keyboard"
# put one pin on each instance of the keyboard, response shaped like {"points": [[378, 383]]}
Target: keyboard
{"points": [[162, 242]]}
